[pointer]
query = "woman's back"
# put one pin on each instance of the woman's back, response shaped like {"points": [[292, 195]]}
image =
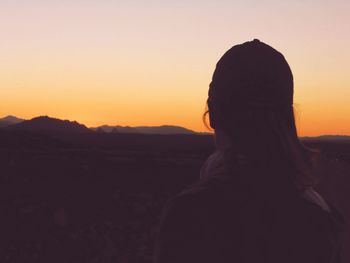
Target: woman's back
{"points": [[218, 220]]}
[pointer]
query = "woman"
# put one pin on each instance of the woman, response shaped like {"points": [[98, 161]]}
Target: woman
{"points": [[255, 200]]}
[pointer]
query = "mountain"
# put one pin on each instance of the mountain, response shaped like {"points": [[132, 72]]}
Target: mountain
{"points": [[116, 129], [47, 124], [52, 125], [164, 129], [9, 120], [339, 138]]}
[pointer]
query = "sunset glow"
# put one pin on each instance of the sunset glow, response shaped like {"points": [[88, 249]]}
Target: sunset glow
{"points": [[150, 62]]}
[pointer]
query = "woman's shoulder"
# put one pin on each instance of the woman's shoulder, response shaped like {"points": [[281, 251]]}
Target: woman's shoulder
{"points": [[200, 198], [315, 198], [315, 204], [192, 197], [211, 189], [313, 226]]}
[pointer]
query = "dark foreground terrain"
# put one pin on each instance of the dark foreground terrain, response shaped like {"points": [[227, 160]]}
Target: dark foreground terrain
{"points": [[98, 197]]}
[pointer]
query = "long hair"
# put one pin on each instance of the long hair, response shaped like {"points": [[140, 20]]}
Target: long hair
{"points": [[258, 117]]}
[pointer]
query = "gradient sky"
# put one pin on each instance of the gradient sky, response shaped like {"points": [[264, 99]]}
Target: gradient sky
{"points": [[150, 62]]}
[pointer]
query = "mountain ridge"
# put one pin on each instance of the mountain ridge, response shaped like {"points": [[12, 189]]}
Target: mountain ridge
{"points": [[48, 124], [9, 120], [162, 129], [45, 123]]}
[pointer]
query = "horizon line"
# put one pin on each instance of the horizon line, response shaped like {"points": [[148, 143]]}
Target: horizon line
{"points": [[173, 125]]}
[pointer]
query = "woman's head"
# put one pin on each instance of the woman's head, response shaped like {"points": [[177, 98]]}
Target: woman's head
{"points": [[250, 105]]}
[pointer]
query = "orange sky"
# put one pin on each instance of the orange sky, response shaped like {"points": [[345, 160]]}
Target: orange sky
{"points": [[150, 62]]}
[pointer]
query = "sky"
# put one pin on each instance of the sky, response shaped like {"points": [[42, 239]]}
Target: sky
{"points": [[150, 62]]}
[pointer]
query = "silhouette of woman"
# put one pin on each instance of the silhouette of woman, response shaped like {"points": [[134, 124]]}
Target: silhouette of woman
{"points": [[255, 200]]}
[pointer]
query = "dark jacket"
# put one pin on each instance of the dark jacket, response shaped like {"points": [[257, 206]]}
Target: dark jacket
{"points": [[219, 220]]}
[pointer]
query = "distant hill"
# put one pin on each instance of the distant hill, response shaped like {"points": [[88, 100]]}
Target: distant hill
{"points": [[328, 138], [164, 129], [52, 125], [9, 120], [47, 124]]}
